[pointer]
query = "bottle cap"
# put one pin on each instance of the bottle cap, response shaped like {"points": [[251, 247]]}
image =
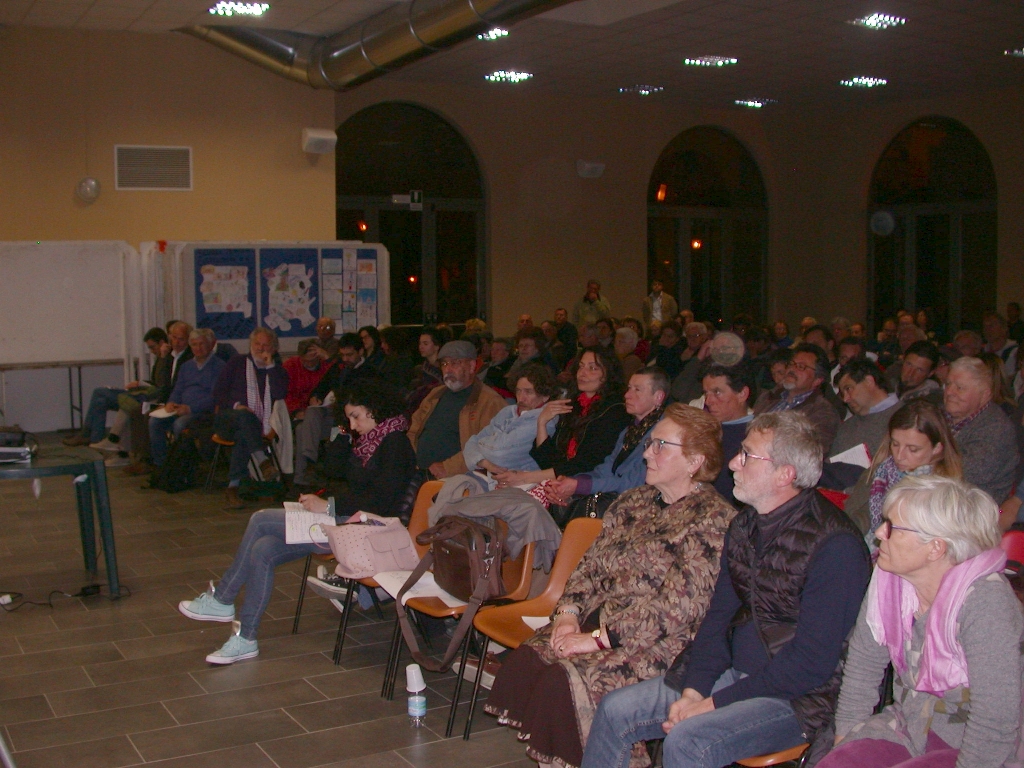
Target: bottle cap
{"points": [[414, 679]]}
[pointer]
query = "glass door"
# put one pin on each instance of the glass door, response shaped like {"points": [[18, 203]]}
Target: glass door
{"points": [[401, 232]]}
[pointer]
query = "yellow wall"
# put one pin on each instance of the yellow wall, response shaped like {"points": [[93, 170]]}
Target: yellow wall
{"points": [[67, 97]]}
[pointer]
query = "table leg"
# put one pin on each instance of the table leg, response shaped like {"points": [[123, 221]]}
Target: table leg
{"points": [[106, 526], [86, 525]]}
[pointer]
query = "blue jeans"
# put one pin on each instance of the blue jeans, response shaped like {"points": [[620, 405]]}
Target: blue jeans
{"points": [[246, 431], [103, 399], [262, 549], [720, 737], [158, 435]]}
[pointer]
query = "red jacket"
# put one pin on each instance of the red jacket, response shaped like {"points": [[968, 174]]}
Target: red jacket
{"points": [[301, 383]]}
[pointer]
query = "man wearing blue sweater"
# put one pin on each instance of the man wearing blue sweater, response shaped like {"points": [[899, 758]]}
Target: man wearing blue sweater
{"points": [[192, 393], [763, 672]]}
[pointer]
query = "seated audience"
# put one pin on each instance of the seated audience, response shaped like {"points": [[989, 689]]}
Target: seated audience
{"points": [[304, 372], [658, 305], [531, 347], [853, 348], [381, 467], [778, 362], [525, 321], [913, 373], [840, 328], [727, 391], [801, 391], [427, 375], [372, 353], [506, 441], [624, 467], [858, 331], [325, 341], [886, 347], [780, 335], [794, 569], [193, 394], [587, 340], [632, 604], [396, 368], [998, 342], [1002, 392], [671, 344], [643, 345], [605, 331], [244, 395], [502, 360], [567, 333], [625, 348], [556, 349], [968, 343], [941, 612], [452, 413], [589, 423], [917, 442], [592, 307], [983, 432]]}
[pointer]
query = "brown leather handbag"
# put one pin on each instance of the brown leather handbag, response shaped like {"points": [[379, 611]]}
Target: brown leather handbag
{"points": [[467, 558]]}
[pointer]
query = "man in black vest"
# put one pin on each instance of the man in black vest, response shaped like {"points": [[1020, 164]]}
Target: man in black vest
{"points": [[762, 675]]}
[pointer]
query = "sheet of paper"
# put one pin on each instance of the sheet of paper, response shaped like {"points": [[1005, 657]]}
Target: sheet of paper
{"points": [[536, 622], [300, 525], [160, 413], [349, 259], [366, 266], [857, 455], [392, 581], [333, 266], [225, 289], [349, 322], [334, 282]]}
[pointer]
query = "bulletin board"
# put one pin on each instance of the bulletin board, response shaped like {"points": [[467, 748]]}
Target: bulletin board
{"points": [[232, 287]]}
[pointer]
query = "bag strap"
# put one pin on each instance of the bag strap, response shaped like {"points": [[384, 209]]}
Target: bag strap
{"points": [[475, 600]]}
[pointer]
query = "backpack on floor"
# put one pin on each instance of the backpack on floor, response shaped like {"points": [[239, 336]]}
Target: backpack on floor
{"points": [[178, 472]]}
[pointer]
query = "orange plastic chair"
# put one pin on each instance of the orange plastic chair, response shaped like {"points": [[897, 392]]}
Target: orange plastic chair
{"points": [[785, 756], [504, 624]]}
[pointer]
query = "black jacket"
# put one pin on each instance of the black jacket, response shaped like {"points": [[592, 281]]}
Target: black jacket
{"points": [[594, 444], [380, 485]]}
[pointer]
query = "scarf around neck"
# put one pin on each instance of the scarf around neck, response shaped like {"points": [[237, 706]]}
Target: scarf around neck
{"points": [[366, 445], [886, 476], [586, 403], [260, 406], [891, 603], [635, 433]]}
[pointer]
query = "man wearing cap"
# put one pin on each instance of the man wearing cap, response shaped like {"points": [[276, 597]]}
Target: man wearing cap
{"points": [[452, 413]]}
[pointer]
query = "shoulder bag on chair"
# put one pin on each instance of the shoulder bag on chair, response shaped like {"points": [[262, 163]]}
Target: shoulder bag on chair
{"points": [[369, 544], [467, 560]]}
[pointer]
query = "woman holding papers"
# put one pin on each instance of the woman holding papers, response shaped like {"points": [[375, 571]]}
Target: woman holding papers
{"points": [[381, 467], [919, 442]]}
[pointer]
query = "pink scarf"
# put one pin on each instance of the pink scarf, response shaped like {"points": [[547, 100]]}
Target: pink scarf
{"points": [[892, 602], [366, 445]]}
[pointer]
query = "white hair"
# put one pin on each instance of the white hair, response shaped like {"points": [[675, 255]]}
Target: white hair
{"points": [[627, 336], [794, 442]]}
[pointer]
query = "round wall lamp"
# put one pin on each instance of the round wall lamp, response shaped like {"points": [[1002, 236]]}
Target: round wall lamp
{"points": [[88, 189]]}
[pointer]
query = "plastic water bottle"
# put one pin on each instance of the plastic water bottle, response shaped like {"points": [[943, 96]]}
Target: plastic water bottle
{"points": [[417, 701]]}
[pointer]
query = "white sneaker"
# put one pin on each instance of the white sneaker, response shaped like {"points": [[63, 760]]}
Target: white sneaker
{"points": [[105, 445], [120, 459], [235, 649]]}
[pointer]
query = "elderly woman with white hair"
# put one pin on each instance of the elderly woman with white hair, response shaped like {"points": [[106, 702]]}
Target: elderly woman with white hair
{"points": [[939, 609], [983, 432], [625, 348]]}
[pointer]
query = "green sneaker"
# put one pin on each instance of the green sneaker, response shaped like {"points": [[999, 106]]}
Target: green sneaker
{"points": [[235, 649], [206, 608]]}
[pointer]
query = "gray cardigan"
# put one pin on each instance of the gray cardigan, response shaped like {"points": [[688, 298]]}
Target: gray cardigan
{"points": [[988, 446]]}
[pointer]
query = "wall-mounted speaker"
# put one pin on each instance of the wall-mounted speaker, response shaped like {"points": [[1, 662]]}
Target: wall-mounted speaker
{"points": [[318, 141]]}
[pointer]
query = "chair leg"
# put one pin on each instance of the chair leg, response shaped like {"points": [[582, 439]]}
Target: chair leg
{"points": [[302, 594], [376, 603], [339, 643], [458, 684], [476, 683], [388, 689], [213, 469]]}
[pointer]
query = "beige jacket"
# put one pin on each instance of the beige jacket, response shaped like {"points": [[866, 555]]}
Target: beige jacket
{"points": [[482, 406]]}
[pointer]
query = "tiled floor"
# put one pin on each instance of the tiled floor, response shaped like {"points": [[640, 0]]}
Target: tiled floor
{"points": [[92, 683]]}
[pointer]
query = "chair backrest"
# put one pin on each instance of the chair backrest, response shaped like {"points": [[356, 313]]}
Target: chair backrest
{"points": [[578, 536], [1012, 544], [418, 520], [518, 574]]}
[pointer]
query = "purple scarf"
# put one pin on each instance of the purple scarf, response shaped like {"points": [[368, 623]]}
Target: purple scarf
{"points": [[366, 445], [892, 602]]}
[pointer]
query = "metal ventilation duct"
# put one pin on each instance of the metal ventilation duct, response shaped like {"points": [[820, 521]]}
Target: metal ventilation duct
{"points": [[380, 44]]}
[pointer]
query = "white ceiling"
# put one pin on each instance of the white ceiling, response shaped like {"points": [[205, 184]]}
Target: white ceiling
{"points": [[795, 51]]}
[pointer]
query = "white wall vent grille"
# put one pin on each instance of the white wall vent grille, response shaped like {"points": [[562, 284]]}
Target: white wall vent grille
{"points": [[153, 168]]}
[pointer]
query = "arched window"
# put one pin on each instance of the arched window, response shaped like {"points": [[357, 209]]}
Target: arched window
{"points": [[707, 225], [932, 226], [407, 178]]}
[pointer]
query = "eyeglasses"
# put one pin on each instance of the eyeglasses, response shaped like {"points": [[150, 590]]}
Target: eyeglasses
{"points": [[744, 454], [655, 444], [886, 528], [802, 367], [449, 363]]}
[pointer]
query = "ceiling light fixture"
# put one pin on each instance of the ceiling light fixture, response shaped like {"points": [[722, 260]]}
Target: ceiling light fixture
{"points": [[710, 61], [642, 90], [754, 103], [493, 34], [225, 8], [878, 21], [501, 76], [1018, 52], [864, 82]]}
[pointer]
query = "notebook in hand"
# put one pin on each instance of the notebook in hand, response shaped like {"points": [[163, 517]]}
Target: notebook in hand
{"points": [[300, 525]]}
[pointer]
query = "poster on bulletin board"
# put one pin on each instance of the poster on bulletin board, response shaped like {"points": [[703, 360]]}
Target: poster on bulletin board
{"points": [[350, 289], [225, 291], [289, 289]]}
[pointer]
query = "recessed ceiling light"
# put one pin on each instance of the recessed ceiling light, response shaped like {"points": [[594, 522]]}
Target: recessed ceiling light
{"points": [[501, 76], [710, 61], [864, 82], [224, 8], [642, 90], [754, 103], [1018, 52], [493, 34], [879, 21]]}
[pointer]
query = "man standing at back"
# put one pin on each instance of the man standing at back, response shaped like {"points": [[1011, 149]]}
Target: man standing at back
{"points": [[659, 305], [763, 672], [592, 307]]}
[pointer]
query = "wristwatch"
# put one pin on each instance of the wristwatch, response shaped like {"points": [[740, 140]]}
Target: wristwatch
{"points": [[596, 634]]}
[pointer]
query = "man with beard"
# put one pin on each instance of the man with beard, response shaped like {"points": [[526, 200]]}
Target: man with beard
{"points": [[452, 413]]}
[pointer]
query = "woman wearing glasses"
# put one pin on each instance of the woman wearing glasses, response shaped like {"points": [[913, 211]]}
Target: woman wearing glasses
{"points": [[634, 601], [919, 443], [940, 610]]}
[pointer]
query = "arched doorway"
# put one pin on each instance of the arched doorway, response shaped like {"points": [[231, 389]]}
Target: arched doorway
{"points": [[932, 226], [707, 225], [386, 153]]}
